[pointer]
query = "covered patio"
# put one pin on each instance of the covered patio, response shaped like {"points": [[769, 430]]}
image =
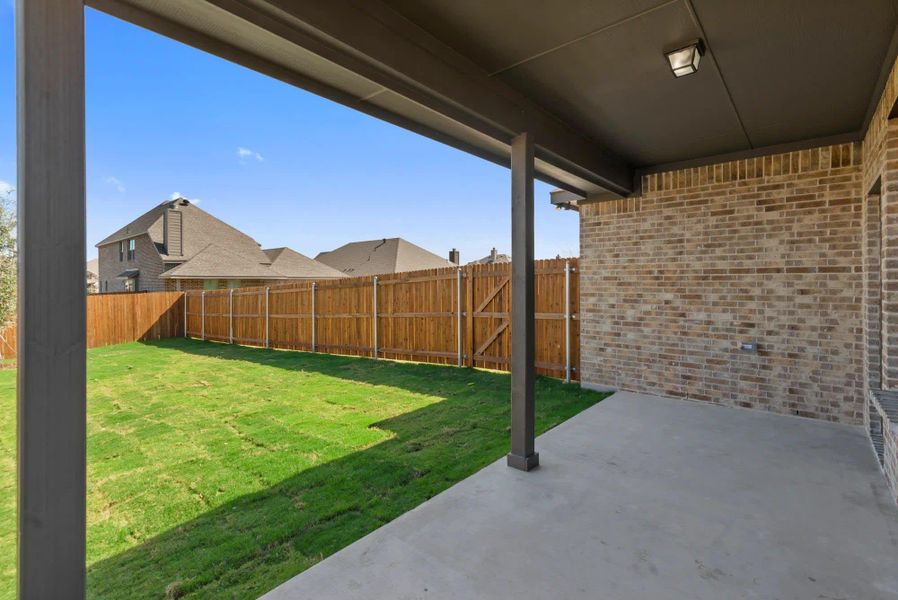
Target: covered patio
{"points": [[643, 497], [734, 165]]}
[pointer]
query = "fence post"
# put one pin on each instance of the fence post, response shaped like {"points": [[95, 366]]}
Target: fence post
{"points": [[459, 314], [567, 321], [314, 324], [203, 314], [185, 312], [231, 315], [267, 330], [469, 309], [375, 317]]}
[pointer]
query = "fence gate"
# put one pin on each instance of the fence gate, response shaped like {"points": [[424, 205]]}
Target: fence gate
{"points": [[490, 319]]}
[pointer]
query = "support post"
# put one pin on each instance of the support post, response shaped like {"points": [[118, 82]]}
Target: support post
{"points": [[459, 315], [231, 316], [203, 315], [314, 324], [52, 304], [523, 455], [567, 321], [375, 318], [469, 314], [267, 318]]}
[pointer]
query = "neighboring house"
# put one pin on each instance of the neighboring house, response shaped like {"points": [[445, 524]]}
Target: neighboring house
{"points": [[177, 246], [493, 258], [379, 257], [93, 276]]}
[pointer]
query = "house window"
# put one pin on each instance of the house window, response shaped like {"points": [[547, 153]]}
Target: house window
{"points": [[233, 283], [132, 249], [130, 285], [210, 284], [106, 285], [121, 251]]}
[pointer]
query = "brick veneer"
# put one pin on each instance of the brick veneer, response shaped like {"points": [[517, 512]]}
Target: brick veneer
{"points": [[796, 251], [880, 185], [766, 250], [146, 259]]}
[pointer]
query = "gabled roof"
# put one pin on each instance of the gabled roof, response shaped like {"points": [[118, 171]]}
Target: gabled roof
{"points": [[217, 262], [138, 226], [378, 257], [200, 229], [291, 263]]}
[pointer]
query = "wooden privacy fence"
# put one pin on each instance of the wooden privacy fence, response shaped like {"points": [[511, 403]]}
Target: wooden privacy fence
{"points": [[451, 316], [119, 318]]}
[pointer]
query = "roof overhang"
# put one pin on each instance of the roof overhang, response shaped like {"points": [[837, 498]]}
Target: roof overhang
{"points": [[589, 82], [121, 238], [129, 274], [368, 57]]}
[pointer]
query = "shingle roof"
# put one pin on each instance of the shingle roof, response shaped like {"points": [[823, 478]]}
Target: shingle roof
{"points": [[214, 249], [200, 229], [491, 259], [138, 226], [377, 257], [291, 263], [217, 262]]}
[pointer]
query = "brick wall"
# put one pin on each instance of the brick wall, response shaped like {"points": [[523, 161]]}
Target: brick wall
{"points": [[146, 259], [880, 188], [765, 250], [797, 252]]}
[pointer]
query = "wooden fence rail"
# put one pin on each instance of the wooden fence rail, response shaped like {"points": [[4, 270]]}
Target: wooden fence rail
{"points": [[119, 318], [449, 316]]}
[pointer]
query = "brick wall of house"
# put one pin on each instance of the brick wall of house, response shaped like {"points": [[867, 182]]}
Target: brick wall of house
{"points": [[146, 259], [797, 252], [880, 190], [766, 250]]}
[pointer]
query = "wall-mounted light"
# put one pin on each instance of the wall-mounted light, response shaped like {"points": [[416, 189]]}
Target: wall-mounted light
{"points": [[684, 59]]}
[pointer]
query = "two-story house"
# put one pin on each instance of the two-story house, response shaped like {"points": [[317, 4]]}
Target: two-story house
{"points": [[178, 246]]}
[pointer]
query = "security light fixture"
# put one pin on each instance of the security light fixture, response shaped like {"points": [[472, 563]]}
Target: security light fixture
{"points": [[684, 59]]}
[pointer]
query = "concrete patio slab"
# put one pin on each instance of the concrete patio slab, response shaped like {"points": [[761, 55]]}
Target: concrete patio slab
{"points": [[642, 498]]}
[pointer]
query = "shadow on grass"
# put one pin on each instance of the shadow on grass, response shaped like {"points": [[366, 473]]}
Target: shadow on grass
{"points": [[247, 546]]}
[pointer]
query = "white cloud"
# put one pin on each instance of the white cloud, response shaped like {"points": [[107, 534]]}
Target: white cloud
{"points": [[177, 195], [245, 153], [116, 183], [6, 189]]}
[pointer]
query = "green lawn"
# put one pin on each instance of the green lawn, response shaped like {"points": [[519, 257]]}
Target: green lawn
{"points": [[218, 471]]}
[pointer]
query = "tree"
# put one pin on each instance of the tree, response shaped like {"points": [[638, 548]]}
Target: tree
{"points": [[7, 258]]}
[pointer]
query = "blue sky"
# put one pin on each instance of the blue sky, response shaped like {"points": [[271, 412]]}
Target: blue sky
{"points": [[283, 165]]}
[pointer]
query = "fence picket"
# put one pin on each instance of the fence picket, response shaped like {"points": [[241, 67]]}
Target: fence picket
{"points": [[444, 316], [457, 316]]}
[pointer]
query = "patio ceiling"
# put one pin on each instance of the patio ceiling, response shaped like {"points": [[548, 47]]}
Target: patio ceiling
{"points": [[586, 78]]}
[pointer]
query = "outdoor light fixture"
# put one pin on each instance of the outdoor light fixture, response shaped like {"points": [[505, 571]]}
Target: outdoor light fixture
{"points": [[684, 59]]}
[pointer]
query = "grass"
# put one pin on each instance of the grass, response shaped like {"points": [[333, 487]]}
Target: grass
{"points": [[219, 471]]}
